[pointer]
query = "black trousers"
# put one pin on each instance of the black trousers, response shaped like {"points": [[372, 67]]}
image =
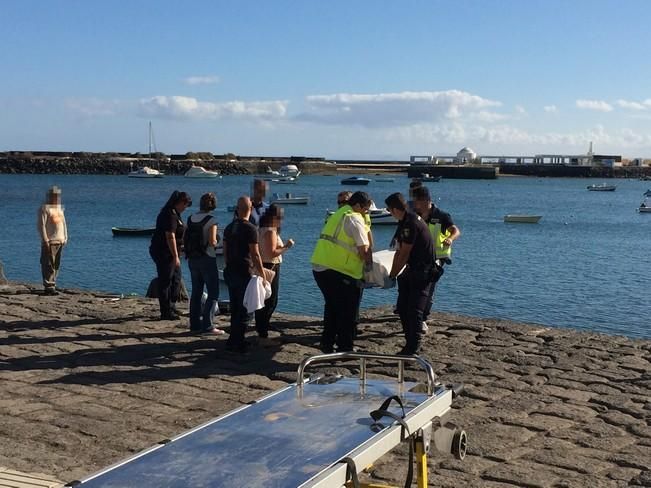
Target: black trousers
{"points": [[240, 317], [413, 295], [341, 295], [430, 301], [263, 316], [169, 282]]}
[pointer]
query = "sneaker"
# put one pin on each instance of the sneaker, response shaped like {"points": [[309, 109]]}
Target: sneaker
{"points": [[212, 332], [326, 349], [424, 327]]}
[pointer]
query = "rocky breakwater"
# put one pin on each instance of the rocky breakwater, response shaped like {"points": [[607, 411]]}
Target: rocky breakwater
{"points": [[88, 379], [93, 165]]}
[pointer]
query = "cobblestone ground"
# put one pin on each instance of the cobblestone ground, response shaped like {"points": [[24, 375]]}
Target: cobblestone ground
{"points": [[87, 379]]}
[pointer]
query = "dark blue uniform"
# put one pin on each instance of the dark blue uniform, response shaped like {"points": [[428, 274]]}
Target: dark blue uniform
{"points": [[415, 282]]}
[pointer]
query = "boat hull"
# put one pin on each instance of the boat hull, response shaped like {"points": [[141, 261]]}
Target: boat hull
{"points": [[522, 219], [132, 231]]}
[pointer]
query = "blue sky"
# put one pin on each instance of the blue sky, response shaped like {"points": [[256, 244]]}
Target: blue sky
{"points": [[339, 79]]}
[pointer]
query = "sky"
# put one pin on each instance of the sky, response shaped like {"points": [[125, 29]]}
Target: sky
{"points": [[335, 79]]}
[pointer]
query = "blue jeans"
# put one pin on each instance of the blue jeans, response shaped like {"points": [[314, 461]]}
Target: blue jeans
{"points": [[203, 271]]}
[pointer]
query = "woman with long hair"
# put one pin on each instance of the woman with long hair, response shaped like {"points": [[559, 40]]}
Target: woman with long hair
{"points": [[165, 250], [271, 249]]}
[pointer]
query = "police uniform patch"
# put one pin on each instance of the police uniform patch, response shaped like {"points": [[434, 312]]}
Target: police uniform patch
{"points": [[405, 233]]}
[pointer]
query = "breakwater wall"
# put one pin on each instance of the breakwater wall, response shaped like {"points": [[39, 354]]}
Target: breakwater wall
{"points": [[473, 172], [562, 171], [122, 166]]}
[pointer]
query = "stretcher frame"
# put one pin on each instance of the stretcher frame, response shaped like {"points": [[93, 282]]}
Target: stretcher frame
{"points": [[426, 418]]}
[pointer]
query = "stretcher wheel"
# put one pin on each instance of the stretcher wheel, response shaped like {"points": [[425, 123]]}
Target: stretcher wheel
{"points": [[460, 444]]}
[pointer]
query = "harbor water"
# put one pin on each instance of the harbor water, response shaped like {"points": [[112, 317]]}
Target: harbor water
{"points": [[584, 265]]}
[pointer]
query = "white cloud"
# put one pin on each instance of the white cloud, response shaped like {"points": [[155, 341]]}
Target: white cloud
{"points": [[598, 105], [551, 109], [92, 107], [392, 109], [645, 105], [201, 80], [520, 110], [180, 107]]}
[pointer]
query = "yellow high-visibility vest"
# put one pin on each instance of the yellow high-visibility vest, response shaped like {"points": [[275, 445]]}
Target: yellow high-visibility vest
{"points": [[337, 250], [440, 250]]}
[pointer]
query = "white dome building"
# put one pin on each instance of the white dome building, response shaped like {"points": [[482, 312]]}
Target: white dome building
{"points": [[466, 155]]}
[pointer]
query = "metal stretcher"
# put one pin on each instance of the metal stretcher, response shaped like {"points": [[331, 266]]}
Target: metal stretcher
{"points": [[318, 432]]}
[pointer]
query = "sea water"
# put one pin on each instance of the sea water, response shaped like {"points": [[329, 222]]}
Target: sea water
{"points": [[584, 265]]}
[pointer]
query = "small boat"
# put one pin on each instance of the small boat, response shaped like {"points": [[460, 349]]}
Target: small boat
{"points": [[522, 219], [645, 178], [132, 231], [379, 216], [427, 178], [201, 172], [285, 180], [601, 187], [145, 172], [289, 170], [355, 180], [643, 208], [647, 193], [289, 199]]}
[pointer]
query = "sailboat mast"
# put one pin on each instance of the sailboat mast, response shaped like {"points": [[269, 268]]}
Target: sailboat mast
{"points": [[150, 139]]}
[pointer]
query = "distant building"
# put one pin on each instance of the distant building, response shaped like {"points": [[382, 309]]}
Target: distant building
{"points": [[466, 155]]}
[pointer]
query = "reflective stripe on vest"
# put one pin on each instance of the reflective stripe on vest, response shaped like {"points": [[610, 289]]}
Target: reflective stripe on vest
{"points": [[440, 250], [337, 250]]}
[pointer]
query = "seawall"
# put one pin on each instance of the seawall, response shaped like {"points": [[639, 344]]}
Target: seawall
{"points": [[89, 379]]}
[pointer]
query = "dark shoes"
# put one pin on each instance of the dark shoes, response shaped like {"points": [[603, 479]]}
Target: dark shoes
{"points": [[405, 351], [242, 349], [50, 292], [169, 316]]}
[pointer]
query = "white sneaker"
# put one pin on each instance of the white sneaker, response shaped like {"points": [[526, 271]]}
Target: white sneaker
{"points": [[423, 327]]}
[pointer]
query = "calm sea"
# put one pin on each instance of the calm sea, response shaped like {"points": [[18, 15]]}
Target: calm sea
{"points": [[585, 265]]}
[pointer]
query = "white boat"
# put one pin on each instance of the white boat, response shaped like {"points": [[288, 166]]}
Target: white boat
{"points": [[644, 209], [522, 219], [145, 172], [379, 216], [645, 206], [201, 172], [289, 170], [289, 199], [286, 180], [271, 172], [601, 187], [384, 179]]}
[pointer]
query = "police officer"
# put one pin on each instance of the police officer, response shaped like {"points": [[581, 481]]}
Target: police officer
{"points": [[338, 265], [414, 253], [443, 231]]}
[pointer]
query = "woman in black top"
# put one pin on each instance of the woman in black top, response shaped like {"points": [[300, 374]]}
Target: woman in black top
{"points": [[165, 250]]}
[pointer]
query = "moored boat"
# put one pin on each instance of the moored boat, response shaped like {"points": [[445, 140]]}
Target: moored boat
{"points": [[289, 199], [522, 219], [355, 180], [601, 187], [201, 172], [427, 178], [145, 172], [132, 231]]}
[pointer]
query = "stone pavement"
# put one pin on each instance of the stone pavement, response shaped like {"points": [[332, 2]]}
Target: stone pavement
{"points": [[87, 379]]}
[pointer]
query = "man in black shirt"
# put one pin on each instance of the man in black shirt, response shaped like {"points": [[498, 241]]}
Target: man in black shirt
{"points": [[415, 255], [241, 255], [443, 231]]}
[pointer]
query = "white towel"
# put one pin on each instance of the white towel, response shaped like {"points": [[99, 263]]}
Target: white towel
{"points": [[382, 262], [257, 291]]}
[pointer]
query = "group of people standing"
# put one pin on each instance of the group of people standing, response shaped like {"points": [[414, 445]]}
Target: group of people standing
{"points": [[343, 254], [251, 246]]}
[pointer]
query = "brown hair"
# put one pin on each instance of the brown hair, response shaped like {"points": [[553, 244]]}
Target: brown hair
{"points": [[207, 202]]}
